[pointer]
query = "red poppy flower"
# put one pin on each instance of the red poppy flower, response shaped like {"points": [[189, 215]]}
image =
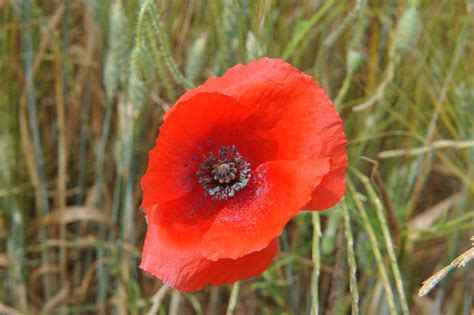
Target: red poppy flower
{"points": [[235, 160]]}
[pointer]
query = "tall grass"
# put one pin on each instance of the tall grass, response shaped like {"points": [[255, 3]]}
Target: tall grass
{"points": [[83, 89]]}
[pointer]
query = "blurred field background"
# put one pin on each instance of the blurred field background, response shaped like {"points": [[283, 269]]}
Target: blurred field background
{"points": [[83, 89]]}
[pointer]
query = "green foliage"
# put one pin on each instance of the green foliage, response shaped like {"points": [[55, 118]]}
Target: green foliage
{"points": [[141, 64], [195, 58], [399, 72], [120, 40]]}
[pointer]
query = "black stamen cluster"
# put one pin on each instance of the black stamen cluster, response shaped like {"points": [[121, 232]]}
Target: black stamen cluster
{"points": [[223, 175]]}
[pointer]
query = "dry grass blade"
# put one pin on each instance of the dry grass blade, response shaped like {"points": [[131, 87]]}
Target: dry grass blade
{"points": [[432, 281], [436, 145], [56, 300], [7, 310], [460, 261], [88, 276], [157, 299], [4, 260], [175, 304], [73, 214], [428, 217], [464, 258]]}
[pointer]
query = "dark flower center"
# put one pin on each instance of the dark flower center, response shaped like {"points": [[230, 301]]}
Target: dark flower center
{"points": [[224, 174]]}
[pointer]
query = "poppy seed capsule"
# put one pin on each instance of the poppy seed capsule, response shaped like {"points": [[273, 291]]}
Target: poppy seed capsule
{"points": [[224, 171], [408, 30], [354, 61], [222, 176]]}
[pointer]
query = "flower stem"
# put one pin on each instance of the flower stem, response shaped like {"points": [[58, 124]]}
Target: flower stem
{"points": [[388, 239], [316, 256], [375, 249], [351, 260], [233, 298]]}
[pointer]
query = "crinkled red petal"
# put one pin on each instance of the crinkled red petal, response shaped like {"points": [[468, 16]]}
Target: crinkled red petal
{"points": [[187, 270], [198, 126], [246, 222], [278, 192], [293, 115], [333, 185]]}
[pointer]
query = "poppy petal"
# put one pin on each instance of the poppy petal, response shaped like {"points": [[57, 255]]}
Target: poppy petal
{"points": [[187, 271], [293, 114], [333, 185], [195, 128], [247, 222], [278, 191], [309, 137]]}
